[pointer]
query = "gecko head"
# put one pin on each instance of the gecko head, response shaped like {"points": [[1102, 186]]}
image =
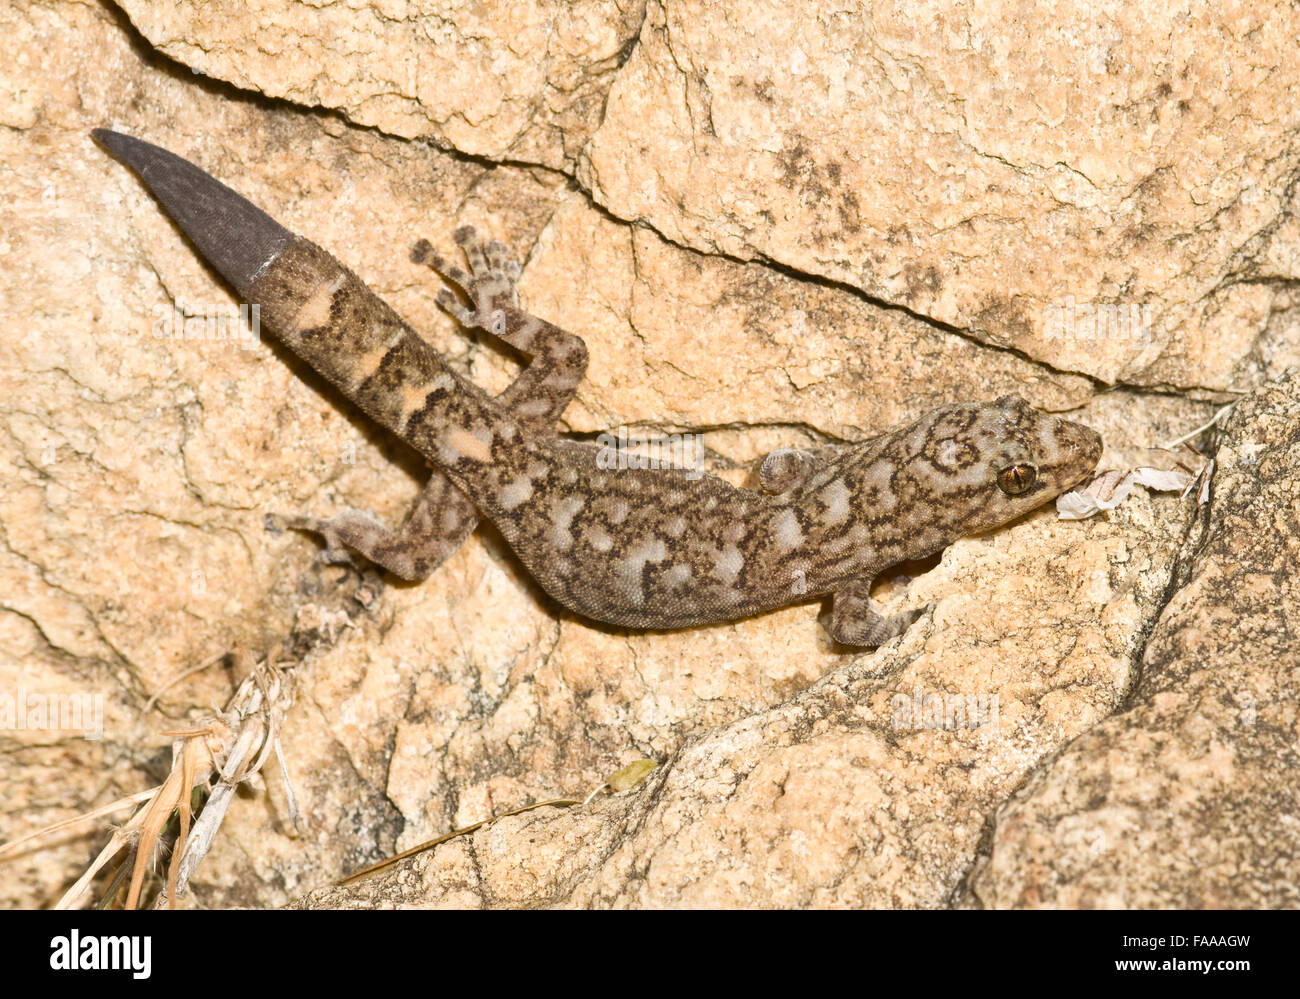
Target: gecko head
{"points": [[980, 465], [1026, 458]]}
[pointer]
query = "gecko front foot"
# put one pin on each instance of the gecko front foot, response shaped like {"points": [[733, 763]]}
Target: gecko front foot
{"points": [[853, 621], [489, 285]]}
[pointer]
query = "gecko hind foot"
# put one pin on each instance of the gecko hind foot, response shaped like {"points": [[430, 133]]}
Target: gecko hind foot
{"points": [[559, 359], [333, 552], [489, 284], [437, 524]]}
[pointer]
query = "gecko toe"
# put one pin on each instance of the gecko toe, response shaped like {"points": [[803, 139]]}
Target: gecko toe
{"points": [[423, 252], [499, 259], [452, 306], [454, 273], [466, 238]]}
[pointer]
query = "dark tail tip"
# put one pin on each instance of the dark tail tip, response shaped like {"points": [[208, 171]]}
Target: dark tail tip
{"points": [[233, 235]]}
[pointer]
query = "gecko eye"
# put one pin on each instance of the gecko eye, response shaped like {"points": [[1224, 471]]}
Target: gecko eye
{"points": [[1016, 479]]}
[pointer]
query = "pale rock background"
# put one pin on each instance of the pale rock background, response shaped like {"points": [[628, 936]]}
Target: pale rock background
{"points": [[774, 224]]}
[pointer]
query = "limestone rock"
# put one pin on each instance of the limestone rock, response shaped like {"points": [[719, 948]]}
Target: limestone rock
{"points": [[503, 80], [1099, 187]]}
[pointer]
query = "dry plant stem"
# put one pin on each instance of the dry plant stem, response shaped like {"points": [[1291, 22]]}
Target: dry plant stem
{"points": [[121, 839], [179, 677], [464, 830], [156, 815], [624, 779], [187, 781], [134, 799], [1213, 421], [233, 747], [255, 715]]}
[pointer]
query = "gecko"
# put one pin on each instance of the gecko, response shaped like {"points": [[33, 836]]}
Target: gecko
{"points": [[637, 548]]}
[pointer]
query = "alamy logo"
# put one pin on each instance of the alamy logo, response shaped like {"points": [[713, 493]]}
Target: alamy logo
{"points": [[944, 711], [1072, 320], [102, 953], [32, 711], [622, 452], [182, 322]]}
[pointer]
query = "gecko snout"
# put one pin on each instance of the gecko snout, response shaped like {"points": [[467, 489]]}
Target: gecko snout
{"points": [[1079, 451]]}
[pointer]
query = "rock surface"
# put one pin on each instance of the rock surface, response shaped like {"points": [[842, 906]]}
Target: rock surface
{"points": [[1188, 797], [806, 252]]}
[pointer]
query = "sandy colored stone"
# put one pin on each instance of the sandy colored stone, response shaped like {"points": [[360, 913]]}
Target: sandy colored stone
{"points": [[1190, 797], [135, 471], [672, 327], [1114, 199], [990, 166], [516, 81]]}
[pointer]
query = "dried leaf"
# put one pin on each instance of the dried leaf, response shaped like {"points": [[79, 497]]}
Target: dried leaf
{"points": [[1113, 487], [631, 775]]}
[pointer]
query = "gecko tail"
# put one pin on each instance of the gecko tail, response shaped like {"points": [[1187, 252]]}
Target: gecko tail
{"points": [[235, 236]]}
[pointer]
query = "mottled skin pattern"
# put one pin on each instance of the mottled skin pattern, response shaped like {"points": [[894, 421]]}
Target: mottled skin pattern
{"points": [[442, 517], [636, 548]]}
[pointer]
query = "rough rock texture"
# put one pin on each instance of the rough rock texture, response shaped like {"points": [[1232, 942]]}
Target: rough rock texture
{"points": [[1189, 796], [1007, 169], [504, 80], [826, 246], [1110, 198]]}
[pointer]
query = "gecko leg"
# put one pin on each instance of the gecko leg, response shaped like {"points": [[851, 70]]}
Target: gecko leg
{"points": [[558, 359], [789, 468], [442, 516], [853, 621]]}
